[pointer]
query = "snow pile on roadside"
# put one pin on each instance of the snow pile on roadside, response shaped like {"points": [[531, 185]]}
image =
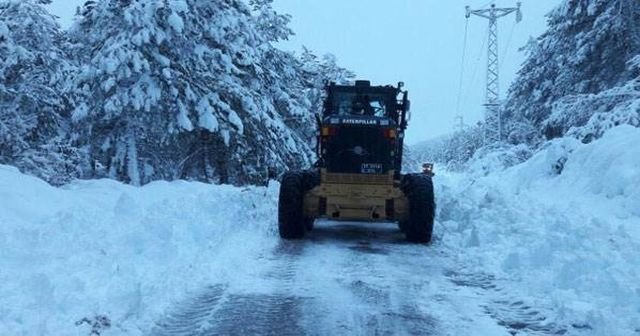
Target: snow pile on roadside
{"points": [[564, 224], [101, 248]]}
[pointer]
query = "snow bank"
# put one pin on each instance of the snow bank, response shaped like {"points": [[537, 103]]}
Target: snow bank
{"points": [[610, 168], [101, 248], [564, 224]]}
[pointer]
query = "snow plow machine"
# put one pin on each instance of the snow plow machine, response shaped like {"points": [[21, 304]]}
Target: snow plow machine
{"points": [[358, 175]]}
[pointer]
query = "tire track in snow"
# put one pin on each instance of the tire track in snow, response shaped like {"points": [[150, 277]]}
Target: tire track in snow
{"points": [[220, 313], [223, 310], [191, 317], [341, 280], [378, 299], [502, 304], [258, 314], [357, 279]]}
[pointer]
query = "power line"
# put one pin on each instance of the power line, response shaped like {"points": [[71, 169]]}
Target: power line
{"points": [[474, 73], [505, 51], [459, 119], [493, 122]]}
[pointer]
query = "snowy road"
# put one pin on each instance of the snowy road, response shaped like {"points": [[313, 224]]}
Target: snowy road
{"points": [[354, 279], [344, 279]]}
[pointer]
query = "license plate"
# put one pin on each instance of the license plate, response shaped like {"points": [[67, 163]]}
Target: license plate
{"points": [[371, 168]]}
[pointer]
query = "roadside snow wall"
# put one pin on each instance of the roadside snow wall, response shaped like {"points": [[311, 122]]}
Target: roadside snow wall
{"points": [[565, 224]]}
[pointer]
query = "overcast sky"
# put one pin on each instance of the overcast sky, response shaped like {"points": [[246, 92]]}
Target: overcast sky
{"points": [[419, 42]]}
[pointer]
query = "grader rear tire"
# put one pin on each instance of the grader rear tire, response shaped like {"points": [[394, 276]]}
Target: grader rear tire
{"points": [[291, 220], [419, 190], [310, 180]]}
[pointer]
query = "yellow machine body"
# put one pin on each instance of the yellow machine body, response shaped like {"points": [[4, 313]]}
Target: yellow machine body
{"points": [[356, 197]]}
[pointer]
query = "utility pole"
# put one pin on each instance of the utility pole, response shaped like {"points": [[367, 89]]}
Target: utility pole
{"points": [[493, 118]]}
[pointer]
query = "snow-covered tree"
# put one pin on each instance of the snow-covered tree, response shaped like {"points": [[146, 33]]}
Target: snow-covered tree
{"points": [[586, 51], [319, 70], [33, 111], [587, 117], [156, 89], [315, 72], [181, 89], [271, 25], [451, 150]]}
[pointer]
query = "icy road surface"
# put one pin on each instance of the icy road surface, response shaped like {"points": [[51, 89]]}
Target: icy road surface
{"points": [[530, 250], [354, 279], [344, 279]]}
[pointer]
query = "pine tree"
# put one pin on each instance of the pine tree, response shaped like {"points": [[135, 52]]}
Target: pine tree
{"points": [[33, 64], [452, 150], [317, 71], [586, 50], [186, 89], [272, 25]]}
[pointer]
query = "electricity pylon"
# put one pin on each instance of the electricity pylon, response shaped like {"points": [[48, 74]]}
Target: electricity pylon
{"points": [[493, 118]]}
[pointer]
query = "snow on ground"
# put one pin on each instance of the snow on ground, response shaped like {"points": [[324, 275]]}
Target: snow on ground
{"points": [[546, 247], [566, 241], [101, 248]]}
